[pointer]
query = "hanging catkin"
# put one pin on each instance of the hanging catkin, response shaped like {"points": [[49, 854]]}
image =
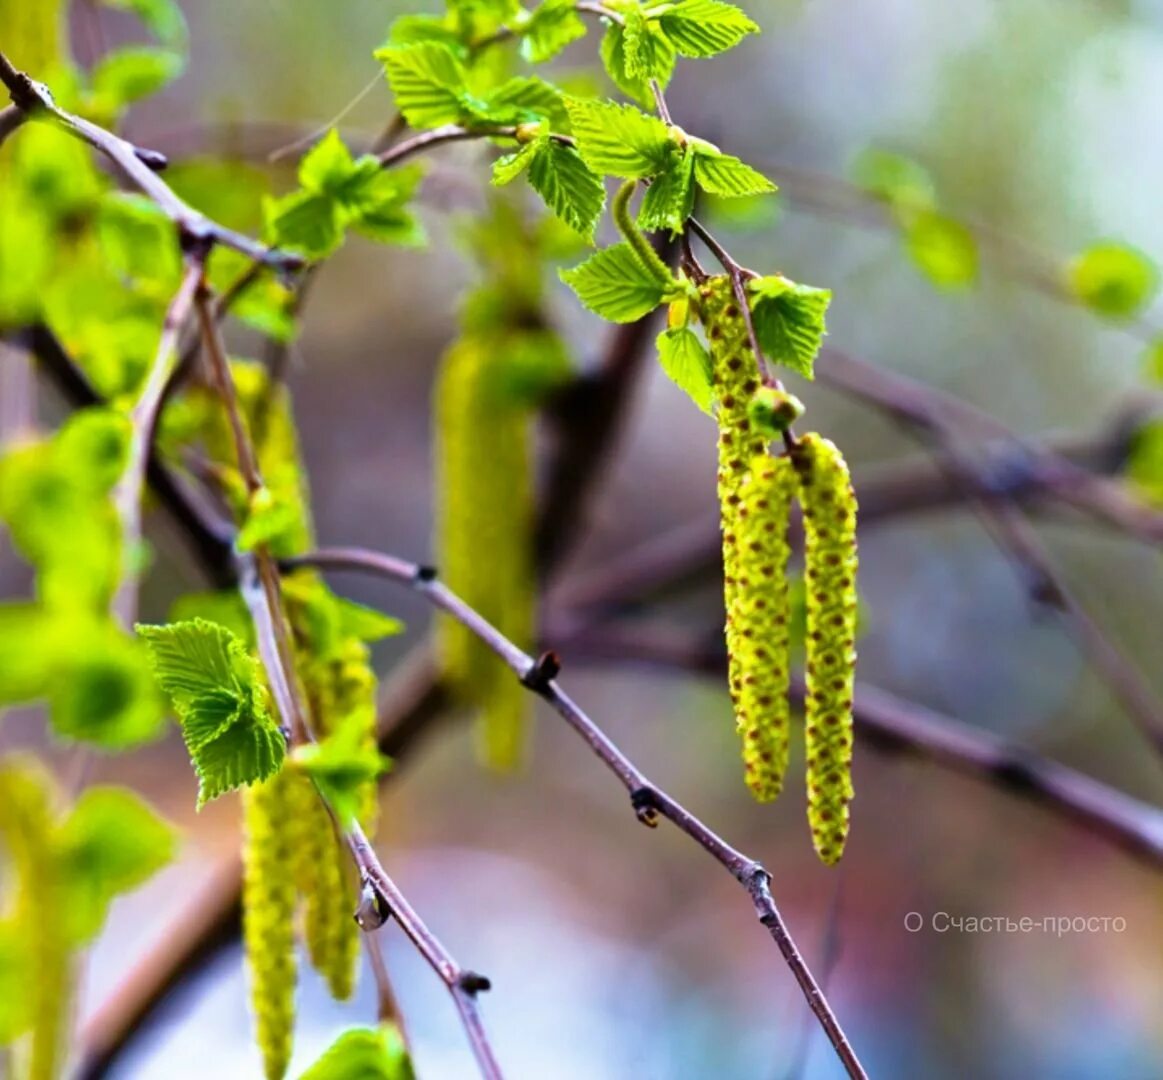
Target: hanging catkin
{"points": [[760, 621], [829, 504], [484, 533], [28, 840], [268, 926], [736, 378]]}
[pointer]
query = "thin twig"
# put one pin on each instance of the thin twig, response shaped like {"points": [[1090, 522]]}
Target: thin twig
{"points": [[10, 119], [127, 495], [648, 800], [140, 166], [425, 140], [892, 724]]}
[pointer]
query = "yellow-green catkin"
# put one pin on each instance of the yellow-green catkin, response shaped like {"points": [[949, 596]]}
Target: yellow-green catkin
{"points": [[27, 835], [484, 538], [760, 622], [269, 915], [735, 375], [829, 505]]}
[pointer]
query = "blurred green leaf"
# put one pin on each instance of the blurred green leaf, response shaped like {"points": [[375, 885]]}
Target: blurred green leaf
{"points": [[1112, 279], [895, 179], [111, 843], [17, 974], [131, 73], [305, 222], [163, 18], [364, 1054], [342, 766], [944, 250]]}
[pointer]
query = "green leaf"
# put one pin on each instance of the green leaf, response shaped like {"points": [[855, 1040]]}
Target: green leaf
{"points": [[614, 284], [132, 73], [525, 100], [662, 59], [104, 692], [111, 843], [427, 82], [1112, 279], [378, 207], [342, 766], [553, 25], [724, 175], [425, 30], [364, 1054], [687, 362], [269, 521], [789, 321], [30, 652], [140, 242], [943, 250], [216, 690], [163, 18], [894, 179], [506, 169], [329, 169], [619, 140], [559, 175], [705, 27], [364, 623], [304, 222], [670, 198], [646, 52]]}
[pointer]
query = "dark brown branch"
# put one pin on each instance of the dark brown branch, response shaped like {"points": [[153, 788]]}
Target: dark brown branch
{"points": [[892, 724], [647, 799], [141, 167], [425, 140]]}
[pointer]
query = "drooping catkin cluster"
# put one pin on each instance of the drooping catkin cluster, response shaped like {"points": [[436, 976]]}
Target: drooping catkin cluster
{"points": [[756, 493], [829, 504], [484, 537], [268, 926], [761, 620]]}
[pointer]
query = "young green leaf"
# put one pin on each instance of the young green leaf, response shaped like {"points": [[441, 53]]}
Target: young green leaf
{"points": [[688, 364], [129, 74], [899, 181], [619, 140], [524, 100], [669, 200], [724, 175], [364, 1054], [942, 249], [1112, 279], [661, 59], [552, 26], [216, 689], [559, 175], [304, 221], [789, 321], [329, 169], [427, 81], [506, 169], [163, 18], [269, 520], [705, 27], [342, 766], [614, 284], [111, 843]]}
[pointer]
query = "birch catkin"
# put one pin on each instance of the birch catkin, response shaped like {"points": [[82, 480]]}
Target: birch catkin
{"points": [[736, 378], [760, 619], [484, 536], [829, 504], [268, 916]]}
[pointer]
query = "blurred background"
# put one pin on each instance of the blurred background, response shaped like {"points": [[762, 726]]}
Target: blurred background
{"points": [[619, 952]]}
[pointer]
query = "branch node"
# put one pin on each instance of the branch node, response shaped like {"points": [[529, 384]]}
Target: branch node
{"points": [[425, 575], [542, 672], [645, 806], [473, 983], [372, 911]]}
